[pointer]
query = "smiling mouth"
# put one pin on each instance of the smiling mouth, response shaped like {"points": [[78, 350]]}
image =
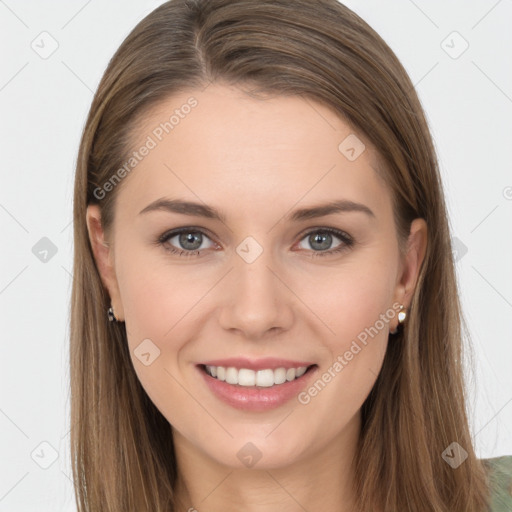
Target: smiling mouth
{"points": [[265, 378]]}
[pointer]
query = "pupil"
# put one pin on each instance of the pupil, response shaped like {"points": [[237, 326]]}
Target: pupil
{"points": [[186, 238], [323, 239]]}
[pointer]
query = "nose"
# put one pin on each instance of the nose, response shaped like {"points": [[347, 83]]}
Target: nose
{"points": [[258, 301]]}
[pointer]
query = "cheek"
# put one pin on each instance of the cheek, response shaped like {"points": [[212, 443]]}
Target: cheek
{"points": [[356, 313], [352, 297], [158, 302], [355, 302], [158, 296]]}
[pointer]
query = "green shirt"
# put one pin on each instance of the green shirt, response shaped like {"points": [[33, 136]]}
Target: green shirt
{"points": [[500, 483]]}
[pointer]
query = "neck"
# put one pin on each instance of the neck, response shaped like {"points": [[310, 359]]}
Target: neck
{"points": [[321, 481]]}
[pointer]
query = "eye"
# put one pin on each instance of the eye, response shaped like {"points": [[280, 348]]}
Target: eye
{"points": [[185, 241], [322, 238], [190, 241]]}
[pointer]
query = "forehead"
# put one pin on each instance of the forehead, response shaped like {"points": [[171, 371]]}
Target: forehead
{"points": [[224, 145]]}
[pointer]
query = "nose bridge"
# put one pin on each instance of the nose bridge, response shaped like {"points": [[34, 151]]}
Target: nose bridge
{"points": [[254, 276], [254, 281], [258, 300]]}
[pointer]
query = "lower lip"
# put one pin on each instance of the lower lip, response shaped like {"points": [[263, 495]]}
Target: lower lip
{"points": [[252, 398]]}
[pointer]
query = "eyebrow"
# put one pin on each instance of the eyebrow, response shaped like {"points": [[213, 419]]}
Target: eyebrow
{"points": [[203, 210]]}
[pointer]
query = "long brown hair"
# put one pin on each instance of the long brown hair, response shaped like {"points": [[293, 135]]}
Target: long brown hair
{"points": [[121, 445]]}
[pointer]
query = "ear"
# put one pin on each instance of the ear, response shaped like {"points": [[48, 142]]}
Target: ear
{"points": [[411, 264], [104, 256]]}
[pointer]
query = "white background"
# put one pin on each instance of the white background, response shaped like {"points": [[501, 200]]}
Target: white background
{"points": [[44, 102]]}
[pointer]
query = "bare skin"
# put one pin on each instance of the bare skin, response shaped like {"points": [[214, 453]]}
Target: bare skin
{"points": [[257, 161]]}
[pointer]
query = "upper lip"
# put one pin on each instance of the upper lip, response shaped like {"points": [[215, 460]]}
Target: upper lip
{"points": [[256, 364]]}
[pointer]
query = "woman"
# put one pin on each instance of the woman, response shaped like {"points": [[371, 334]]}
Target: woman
{"points": [[265, 312]]}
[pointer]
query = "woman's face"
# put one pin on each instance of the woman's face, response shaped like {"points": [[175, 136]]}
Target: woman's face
{"points": [[277, 281]]}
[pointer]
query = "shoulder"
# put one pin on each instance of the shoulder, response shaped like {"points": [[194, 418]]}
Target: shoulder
{"points": [[500, 482]]}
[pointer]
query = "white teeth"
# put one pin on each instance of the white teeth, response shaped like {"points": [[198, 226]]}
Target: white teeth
{"points": [[279, 376], [231, 376], [221, 373], [300, 371], [265, 378], [261, 378], [246, 377]]}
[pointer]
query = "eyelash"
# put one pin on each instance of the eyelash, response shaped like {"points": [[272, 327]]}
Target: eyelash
{"points": [[347, 240]]}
